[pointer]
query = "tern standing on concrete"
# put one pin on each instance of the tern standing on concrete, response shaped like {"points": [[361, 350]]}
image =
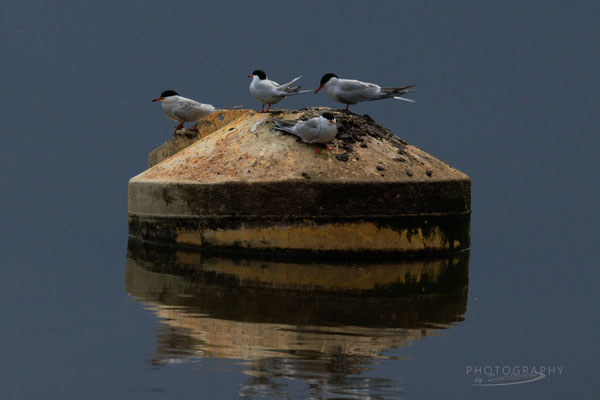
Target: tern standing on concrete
{"points": [[269, 92], [350, 91], [182, 109]]}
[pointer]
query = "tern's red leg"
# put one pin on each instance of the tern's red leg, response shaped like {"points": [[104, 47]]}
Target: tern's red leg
{"points": [[268, 108], [317, 151], [180, 126], [328, 147], [263, 108], [347, 105]]}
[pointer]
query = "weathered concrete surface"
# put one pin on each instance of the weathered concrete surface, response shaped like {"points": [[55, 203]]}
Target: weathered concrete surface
{"points": [[181, 140], [247, 186]]}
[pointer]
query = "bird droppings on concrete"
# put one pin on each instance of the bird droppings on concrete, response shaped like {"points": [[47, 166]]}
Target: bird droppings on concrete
{"points": [[256, 125]]}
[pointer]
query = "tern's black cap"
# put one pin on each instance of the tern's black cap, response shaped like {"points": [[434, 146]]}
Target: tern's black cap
{"points": [[328, 116], [260, 73], [168, 93], [327, 77]]}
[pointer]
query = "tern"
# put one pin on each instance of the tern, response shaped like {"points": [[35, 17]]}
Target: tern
{"points": [[316, 130], [181, 109], [269, 92], [350, 91]]}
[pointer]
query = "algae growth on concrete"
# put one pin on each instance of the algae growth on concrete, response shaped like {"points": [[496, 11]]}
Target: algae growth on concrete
{"points": [[242, 185]]}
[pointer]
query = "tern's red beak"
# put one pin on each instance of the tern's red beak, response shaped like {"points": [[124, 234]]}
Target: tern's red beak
{"points": [[319, 88], [250, 76], [158, 99], [332, 121]]}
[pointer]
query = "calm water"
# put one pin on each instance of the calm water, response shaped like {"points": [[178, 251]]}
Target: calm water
{"points": [[506, 94]]}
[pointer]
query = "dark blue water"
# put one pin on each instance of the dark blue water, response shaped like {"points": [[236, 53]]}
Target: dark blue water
{"points": [[506, 93]]}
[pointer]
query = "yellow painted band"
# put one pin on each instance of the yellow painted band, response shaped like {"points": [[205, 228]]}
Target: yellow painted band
{"points": [[340, 237]]}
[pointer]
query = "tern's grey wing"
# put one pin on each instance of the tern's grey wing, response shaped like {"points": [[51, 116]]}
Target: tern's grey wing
{"points": [[269, 85], [308, 131], [353, 85], [353, 91], [267, 91], [279, 90], [190, 110]]}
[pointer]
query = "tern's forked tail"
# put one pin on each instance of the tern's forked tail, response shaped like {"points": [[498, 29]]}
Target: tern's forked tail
{"points": [[296, 90], [397, 91], [404, 99]]}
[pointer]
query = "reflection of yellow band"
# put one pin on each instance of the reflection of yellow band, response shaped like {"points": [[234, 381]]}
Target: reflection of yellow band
{"points": [[408, 276], [330, 277]]}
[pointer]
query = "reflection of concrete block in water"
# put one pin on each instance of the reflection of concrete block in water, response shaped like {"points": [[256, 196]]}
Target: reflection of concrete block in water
{"points": [[247, 186], [257, 309]]}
